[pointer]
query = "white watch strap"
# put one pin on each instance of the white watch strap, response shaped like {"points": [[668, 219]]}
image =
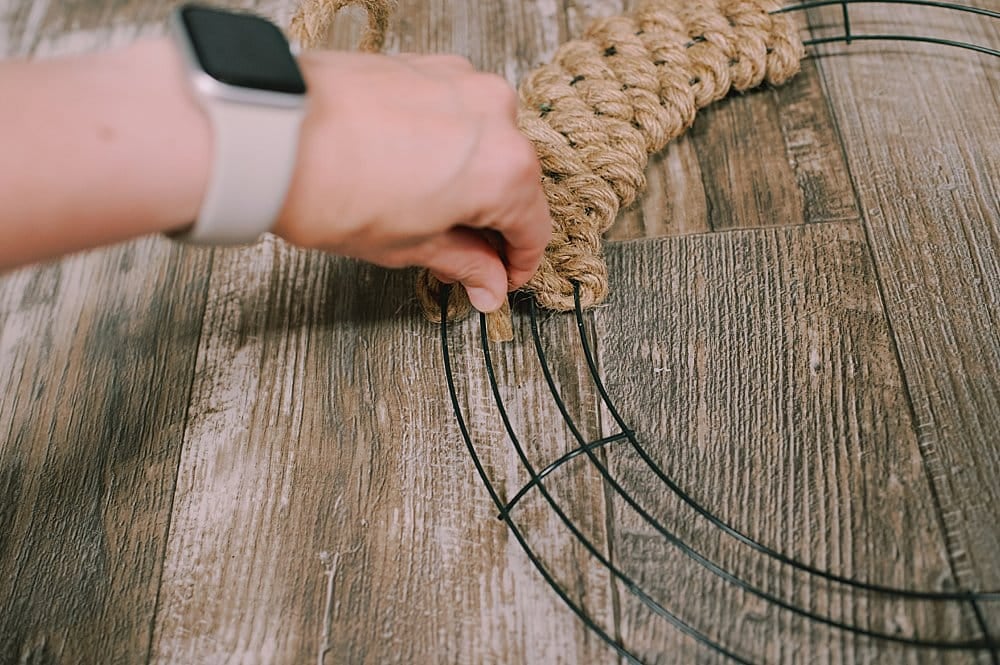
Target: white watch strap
{"points": [[254, 154]]}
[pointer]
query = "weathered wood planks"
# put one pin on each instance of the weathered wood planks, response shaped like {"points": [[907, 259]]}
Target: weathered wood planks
{"points": [[922, 137], [253, 458], [96, 358], [758, 372]]}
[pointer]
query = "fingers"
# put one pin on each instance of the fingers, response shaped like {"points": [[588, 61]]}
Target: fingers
{"points": [[525, 241], [464, 255], [506, 178], [509, 179], [459, 159]]}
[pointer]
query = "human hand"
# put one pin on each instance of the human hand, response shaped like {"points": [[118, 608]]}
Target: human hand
{"points": [[416, 160]]}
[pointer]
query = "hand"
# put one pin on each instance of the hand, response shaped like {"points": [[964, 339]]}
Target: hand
{"points": [[410, 160]]}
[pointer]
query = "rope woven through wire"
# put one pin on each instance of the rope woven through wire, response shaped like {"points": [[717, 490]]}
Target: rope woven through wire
{"points": [[607, 101]]}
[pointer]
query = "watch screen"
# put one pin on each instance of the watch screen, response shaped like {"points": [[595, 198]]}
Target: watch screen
{"points": [[242, 50]]}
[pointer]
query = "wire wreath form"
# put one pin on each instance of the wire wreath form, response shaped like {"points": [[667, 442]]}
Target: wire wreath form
{"points": [[983, 644]]}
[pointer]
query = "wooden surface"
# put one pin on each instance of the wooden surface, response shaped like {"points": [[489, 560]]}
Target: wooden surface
{"points": [[241, 456]]}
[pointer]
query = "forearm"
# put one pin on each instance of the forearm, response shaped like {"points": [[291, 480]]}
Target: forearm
{"points": [[97, 149], [401, 161]]}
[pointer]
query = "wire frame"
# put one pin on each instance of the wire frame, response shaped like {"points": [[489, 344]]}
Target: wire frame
{"points": [[984, 643], [848, 35]]}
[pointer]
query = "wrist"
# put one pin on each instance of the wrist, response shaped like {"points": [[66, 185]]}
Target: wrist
{"points": [[298, 191], [241, 72], [178, 150], [322, 176]]}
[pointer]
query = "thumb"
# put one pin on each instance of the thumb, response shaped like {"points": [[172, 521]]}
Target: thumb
{"points": [[464, 255]]}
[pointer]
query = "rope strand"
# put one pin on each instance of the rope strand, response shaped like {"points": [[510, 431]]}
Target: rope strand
{"points": [[607, 101], [312, 22]]}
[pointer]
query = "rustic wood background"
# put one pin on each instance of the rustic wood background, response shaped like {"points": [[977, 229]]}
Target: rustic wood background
{"points": [[242, 456]]}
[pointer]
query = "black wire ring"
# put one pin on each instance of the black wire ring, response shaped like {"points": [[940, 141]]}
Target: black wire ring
{"points": [[983, 643], [850, 36], [973, 598]]}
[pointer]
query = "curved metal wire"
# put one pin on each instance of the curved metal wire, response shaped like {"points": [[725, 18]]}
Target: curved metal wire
{"points": [[849, 36], [576, 452], [693, 554], [953, 6], [984, 643], [716, 521], [902, 38], [972, 598], [522, 541], [536, 481]]}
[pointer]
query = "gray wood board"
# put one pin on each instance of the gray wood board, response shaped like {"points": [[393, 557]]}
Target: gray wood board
{"points": [[96, 358], [320, 422], [758, 371], [838, 381], [922, 137]]}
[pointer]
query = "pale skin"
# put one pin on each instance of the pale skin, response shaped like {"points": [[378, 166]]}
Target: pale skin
{"points": [[403, 160]]}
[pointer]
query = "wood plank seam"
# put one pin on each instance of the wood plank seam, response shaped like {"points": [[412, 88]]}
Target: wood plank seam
{"points": [[183, 438], [930, 460]]}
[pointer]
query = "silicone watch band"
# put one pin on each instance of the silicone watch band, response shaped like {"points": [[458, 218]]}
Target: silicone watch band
{"points": [[254, 121], [254, 150]]}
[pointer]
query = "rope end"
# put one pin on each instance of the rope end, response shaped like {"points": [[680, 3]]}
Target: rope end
{"points": [[499, 326]]}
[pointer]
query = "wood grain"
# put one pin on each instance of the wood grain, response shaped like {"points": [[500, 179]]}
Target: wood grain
{"points": [[925, 152], [763, 379], [320, 423], [96, 358], [93, 394], [250, 455]]}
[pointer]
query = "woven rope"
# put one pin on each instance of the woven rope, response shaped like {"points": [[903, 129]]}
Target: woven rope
{"points": [[606, 102], [312, 22]]}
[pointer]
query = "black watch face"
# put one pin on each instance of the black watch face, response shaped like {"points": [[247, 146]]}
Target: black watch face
{"points": [[242, 50]]}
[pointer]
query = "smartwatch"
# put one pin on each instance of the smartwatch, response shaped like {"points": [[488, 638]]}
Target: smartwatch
{"points": [[244, 76]]}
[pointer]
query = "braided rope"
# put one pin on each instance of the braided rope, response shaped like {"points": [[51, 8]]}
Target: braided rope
{"points": [[607, 101], [311, 23]]}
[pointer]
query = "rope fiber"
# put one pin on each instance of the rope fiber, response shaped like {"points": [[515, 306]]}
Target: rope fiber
{"points": [[608, 100]]}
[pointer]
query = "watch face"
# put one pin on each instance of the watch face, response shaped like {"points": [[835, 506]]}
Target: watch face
{"points": [[242, 50]]}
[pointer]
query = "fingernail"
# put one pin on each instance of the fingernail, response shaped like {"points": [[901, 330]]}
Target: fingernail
{"points": [[483, 299]]}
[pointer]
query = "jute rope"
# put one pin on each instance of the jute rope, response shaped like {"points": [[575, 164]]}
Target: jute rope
{"points": [[606, 102], [312, 21]]}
